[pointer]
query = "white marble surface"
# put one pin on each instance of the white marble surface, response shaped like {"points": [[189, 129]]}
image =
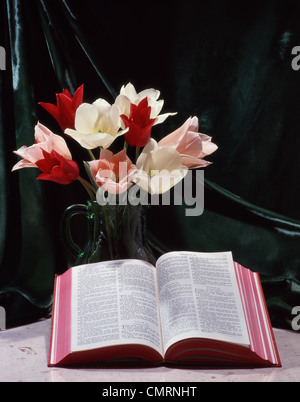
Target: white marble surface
{"points": [[24, 353]]}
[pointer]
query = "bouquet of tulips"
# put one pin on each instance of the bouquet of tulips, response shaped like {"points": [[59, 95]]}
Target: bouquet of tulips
{"points": [[117, 230], [157, 166]]}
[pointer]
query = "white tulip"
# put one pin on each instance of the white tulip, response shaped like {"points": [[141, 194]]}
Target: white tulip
{"points": [[158, 169], [96, 125]]}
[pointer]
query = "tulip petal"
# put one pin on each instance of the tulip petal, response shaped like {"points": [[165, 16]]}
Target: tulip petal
{"points": [[129, 94], [208, 147], [144, 160], [150, 94], [128, 91], [174, 139], [41, 133], [142, 179], [155, 108], [194, 124], [94, 167], [194, 163], [161, 118], [78, 97], [56, 168], [86, 118], [21, 151], [30, 155], [65, 108], [22, 164], [114, 117], [191, 145], [166, 159], [113, 172], [52, 109], [160, 181], [123, 102], [91, 141], [159, 169], [102, 106], [49, 141], [165, 180]]}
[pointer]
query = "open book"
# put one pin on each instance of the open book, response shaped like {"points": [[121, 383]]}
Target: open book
{"points": [[192, 309]]}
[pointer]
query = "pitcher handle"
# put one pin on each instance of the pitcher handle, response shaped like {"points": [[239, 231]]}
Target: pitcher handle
{"points": [[70, 212]]}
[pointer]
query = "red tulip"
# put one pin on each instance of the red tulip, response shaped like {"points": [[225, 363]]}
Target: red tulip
{"points": [[139, 124], [65, 110], [57, 168]]}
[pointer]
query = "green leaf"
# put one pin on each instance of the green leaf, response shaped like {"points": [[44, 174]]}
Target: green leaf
{"points": [[89, 173]]}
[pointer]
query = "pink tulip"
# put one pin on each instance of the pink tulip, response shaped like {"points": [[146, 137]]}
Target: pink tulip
{"points": [[191, 145], [44, 140], [113, 172]]}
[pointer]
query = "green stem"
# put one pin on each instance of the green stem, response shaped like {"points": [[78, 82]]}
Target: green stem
{"points": [[137, 153], [108, 229], [89, 188], [92, 156]]}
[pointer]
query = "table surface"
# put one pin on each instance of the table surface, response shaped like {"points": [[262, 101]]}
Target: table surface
{"points": [[24, 354]]}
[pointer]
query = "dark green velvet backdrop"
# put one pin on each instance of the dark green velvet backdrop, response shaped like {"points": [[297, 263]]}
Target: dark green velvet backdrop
{"points": [[229, 63]]}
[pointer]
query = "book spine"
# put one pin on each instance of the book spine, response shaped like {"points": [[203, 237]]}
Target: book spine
{"points": [[273, 350], [61, 319], [53, 322], [262, 340]]}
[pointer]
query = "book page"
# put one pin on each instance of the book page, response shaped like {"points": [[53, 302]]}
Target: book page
{"points": [[199, 297], [115, 303]]}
